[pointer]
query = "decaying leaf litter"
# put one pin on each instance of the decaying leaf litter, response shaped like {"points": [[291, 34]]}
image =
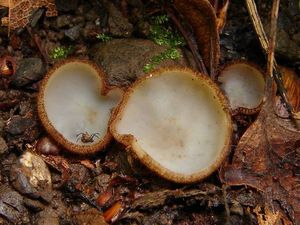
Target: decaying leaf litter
{"points": [[112, 186]]}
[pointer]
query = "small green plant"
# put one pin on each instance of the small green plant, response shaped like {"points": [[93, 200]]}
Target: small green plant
{"points": [[103, 37], [163, 34], [60, 52]]}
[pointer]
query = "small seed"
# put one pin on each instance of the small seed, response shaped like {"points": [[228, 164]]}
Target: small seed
{"points": [[47, 146]]}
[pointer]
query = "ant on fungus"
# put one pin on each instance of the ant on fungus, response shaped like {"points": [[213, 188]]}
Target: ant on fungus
{"points": [[86, 137]]}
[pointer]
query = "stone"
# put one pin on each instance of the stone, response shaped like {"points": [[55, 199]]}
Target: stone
{"points": [[11, 206], [78, 20], [31, 177], [92, 15], [90, 216], [2, 125], [90, 30], [132, 55], [73, 33], [63, 21], [3, 146], [28, 71], [117, 23], [47, 217], [55, 213], [78, 173], [34, 205], [17, 125], [82, 9], [66, 5]]}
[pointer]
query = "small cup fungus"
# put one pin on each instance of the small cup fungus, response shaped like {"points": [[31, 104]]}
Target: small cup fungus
{"points": [[244, 85], [75, 104]]}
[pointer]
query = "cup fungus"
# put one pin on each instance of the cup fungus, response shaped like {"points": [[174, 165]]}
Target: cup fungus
{"points": [[176, 122], [74, 105], [244, 85]]}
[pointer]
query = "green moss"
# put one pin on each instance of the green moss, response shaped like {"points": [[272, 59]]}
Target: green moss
{"points": [[61, 52], [103, 37], [170, 53], [163, 34]]}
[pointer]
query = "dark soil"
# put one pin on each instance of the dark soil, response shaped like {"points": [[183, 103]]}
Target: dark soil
{"points": [[56, 187]]}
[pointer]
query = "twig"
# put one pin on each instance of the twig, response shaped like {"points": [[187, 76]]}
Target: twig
{"points": [[272, 37], [227, 210], [256, 21], [36, 39], [188, 36], [216, 5], [71, 189]]}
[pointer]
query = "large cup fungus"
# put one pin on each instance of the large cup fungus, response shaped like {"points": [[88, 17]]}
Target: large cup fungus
{"points": [[75, 105], [176, 122]]}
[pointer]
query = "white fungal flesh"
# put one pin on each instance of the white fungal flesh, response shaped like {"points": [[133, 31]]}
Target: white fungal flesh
{"points": [[177, 120], [243, 85], [74, 105]]}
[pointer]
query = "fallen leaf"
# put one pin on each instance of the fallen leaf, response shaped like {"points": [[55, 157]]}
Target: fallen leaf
{"points": [[87, 163], [266, 218], [221, 8], [20, 11], [267, 159], [201, 16], [291, 83], [4, 3]]}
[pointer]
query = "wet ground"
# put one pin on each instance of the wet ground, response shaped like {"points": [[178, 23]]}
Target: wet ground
{"points": [[43, 187]]}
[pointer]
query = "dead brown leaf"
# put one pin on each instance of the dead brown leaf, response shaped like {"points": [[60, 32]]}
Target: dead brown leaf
{"points": [[20, 11], [221, 8], [291, 82], [266, 216], [201, 16], [267, 159], [88, 164], [4, 3]]}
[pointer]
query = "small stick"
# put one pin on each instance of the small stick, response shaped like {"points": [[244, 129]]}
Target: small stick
{"points": [[191, 42], [272, 38], [227, 210], [36, 39], [256, 21]]}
